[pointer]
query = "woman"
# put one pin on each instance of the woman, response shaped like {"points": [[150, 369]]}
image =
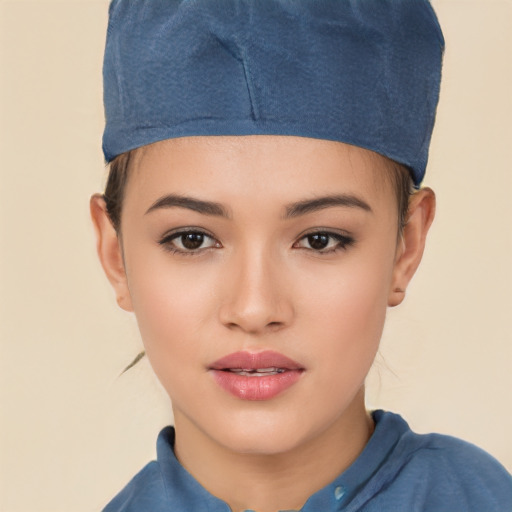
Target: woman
{"points": [[258, 222]]}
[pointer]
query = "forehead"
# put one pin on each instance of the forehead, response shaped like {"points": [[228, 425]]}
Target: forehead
{"points": [[270, 163]]}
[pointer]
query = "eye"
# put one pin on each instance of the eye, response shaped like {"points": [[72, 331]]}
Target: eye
{"points": [[188, 241], [324, 242]]}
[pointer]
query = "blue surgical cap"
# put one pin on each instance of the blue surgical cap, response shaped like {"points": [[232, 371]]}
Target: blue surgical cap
{"points": [[363, 72]]}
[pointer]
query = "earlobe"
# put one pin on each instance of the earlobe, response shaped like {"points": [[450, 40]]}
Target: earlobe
{"points": [[109, 251], [412, 243]]}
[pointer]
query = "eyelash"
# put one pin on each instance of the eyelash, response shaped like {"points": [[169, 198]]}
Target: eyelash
{"points": [[343, 241], [167, 242]]}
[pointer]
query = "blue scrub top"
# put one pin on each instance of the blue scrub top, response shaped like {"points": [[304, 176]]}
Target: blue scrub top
{"points": [[398, 471]]}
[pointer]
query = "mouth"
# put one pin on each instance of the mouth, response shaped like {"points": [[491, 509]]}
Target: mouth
{"points": [[256, 376], [259, 372]]}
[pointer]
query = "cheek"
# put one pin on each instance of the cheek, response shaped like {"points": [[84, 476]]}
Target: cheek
{"points": [[357, 300], [172, 304], [346, 312]]}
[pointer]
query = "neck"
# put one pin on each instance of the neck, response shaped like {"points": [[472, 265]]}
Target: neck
{"points": [[282, 481]]}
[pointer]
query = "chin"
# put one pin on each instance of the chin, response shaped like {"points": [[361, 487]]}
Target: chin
{"points": [[266, 434], [262, 443]]}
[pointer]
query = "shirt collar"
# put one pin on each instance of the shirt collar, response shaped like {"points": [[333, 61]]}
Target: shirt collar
{"points": [[348, 486], [184, 492]]}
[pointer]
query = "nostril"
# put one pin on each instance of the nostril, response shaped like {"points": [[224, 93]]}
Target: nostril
{"points": [[254, 329], [255, 312]]}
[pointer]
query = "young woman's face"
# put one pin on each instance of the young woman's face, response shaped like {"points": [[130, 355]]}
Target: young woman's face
{"points": [[259, 252]]}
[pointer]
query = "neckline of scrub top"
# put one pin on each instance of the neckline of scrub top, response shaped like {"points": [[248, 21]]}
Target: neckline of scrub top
{"points": [[349, 489]]}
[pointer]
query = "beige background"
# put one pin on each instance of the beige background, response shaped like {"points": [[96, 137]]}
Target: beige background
{"points": [[71, 431]]}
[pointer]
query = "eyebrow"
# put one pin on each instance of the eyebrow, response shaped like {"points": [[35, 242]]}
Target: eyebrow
{"points": [[320, 203], [190, 203], [292, 210]]}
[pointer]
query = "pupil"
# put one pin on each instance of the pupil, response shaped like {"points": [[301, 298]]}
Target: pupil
{"points": [[318, 241], [192, 240]]}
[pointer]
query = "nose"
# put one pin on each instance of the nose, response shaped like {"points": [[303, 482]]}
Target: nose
{"points": [[256, 298]]}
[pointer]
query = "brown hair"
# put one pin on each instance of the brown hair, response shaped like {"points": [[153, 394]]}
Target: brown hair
{"points": [[116, 185], [119, 171], [403, 185]]}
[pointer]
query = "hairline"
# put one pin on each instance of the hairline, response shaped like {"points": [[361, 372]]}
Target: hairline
{"points": [[397, 175]]}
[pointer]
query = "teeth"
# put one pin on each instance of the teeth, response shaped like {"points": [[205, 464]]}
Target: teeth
{"points": [[259, 372]]}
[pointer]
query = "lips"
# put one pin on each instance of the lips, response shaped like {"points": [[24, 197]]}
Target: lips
{"points": [[256, 376]]}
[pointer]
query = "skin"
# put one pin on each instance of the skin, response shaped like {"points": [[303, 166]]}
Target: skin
{"points": [[258, 284]]}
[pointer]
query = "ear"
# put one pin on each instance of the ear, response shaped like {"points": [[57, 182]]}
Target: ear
{"points": [[410, 247], [109, 251]]}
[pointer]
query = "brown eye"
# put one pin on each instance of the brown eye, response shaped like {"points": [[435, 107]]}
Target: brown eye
{"points": [[188, 242], [318, 241], [324, 242], [192, 241]]}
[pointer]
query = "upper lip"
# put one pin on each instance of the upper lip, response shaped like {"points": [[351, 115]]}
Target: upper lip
{"points": [[255, 360]]}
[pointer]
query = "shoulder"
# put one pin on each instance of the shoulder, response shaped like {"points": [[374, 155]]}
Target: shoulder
{"points": [[450, 474], [145, 491], [460, 462], [164, 485], [464, 473]]}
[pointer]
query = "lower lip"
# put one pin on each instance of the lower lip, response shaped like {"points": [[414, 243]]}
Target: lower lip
{"points": [[256, 388]]}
